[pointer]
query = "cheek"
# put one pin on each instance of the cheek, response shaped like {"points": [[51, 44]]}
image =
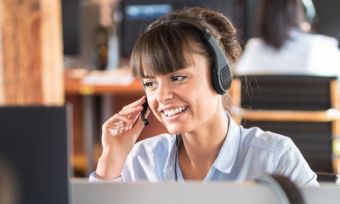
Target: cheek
{"points": [[205, 90], [206, 100]]}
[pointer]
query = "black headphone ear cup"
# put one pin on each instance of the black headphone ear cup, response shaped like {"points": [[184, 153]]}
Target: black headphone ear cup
{"points": [[226, 77], [220, 72], [221, 79], [215, 80]]}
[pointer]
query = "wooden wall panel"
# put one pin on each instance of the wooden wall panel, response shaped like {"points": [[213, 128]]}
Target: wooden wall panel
{"points": [[2, 95], [31, 47]]}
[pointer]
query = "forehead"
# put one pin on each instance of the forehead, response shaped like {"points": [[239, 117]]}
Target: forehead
{"points": [[198, 64], [186, 61], [166, 49]]}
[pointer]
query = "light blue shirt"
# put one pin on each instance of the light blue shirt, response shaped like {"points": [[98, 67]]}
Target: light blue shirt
{"points": [[245, 155]]}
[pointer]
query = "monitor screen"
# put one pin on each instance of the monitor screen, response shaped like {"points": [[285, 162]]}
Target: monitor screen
{"points": [[71, 15], [136, 15], [34, 147], [135, 18], [146, 12]]}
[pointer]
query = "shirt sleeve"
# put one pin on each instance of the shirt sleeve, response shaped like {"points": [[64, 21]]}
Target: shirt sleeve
{"points": [[291, 163], [93, 179]]}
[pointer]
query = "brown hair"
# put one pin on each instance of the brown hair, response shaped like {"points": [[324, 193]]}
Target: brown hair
{"points": [[278, 18], [164, 46]]}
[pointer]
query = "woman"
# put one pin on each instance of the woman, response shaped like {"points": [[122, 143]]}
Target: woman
{"points": [[284, 48], [177, 63]]}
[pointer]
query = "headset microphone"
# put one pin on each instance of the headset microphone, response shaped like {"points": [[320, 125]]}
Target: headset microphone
{"points": [[142, 114]]}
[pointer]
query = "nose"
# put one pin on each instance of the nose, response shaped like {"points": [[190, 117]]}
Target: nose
{"points": [[164, 93]]}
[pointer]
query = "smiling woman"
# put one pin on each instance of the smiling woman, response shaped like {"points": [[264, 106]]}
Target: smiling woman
{"points": [[184, 60], [177, 109]]}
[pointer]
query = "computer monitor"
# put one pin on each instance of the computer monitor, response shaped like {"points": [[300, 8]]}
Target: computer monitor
{"points": [[71, 26], [195, 192], [136, 15], [34, 146]]}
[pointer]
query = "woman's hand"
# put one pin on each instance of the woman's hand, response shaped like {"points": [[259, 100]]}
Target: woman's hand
{"points": [[119, 134]]}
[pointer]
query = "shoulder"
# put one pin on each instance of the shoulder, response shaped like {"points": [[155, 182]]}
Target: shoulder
{"points": [[254, 52], [320, 39], [258, 139], [280, 153], [326, 41], [254, 43]]}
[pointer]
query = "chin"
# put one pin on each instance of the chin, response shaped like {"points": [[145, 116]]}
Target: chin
{"points": [[175, 130]]}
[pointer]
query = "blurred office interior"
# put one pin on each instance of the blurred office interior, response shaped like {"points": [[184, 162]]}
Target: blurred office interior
{"points": [[88, 43]]}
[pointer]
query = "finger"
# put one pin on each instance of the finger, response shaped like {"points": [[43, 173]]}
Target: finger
{"points": [[134, 104], [125, 117], [137, 128], [122, 126], [128, 119], [131, 110], [120, 121]]}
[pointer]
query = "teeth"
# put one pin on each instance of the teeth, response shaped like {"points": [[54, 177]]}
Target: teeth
{"points": [[171, 112]]}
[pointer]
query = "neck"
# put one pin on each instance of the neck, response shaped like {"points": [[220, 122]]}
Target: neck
{"points": [[201, 147]]}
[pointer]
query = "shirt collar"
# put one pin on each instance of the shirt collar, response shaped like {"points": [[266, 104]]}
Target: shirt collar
{"points": [[227, 155], [169, 172], [224, 161]]}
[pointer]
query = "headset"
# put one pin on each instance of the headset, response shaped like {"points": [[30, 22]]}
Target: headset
{"points": [[221, 76], [142, 114]]}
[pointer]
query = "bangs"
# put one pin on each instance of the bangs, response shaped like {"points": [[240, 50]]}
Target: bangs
{"points": [[165, 49]]}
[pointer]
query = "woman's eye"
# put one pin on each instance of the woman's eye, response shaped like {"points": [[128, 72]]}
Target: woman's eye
{"points": [[149, 84], [178, 78]]}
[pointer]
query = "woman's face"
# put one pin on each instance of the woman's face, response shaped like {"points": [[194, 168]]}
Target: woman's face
{"points": [[184, 100]]}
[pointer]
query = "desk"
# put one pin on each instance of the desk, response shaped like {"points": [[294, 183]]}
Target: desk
{"points": [[74, 84], [84, 111]]}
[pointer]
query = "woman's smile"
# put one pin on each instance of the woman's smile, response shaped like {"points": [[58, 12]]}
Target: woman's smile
{"points": [[172, 114]]}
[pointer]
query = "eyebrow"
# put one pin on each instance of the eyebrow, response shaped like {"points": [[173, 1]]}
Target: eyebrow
{"points": [[148, 77], [174, 72]]}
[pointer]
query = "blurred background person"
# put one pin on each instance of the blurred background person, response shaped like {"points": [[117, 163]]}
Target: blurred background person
{"points": [[285, 46]]}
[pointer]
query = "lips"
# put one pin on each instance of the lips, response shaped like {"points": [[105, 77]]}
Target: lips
{"points": [[174, 111]]}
